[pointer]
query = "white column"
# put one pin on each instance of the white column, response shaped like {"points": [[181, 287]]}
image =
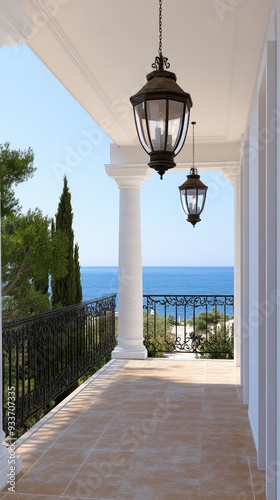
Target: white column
{"points": [[245, 271], [258, 309], [130, 291], [7, 470], [234, 177], [277, 129], [271, 274], [237, 268]]}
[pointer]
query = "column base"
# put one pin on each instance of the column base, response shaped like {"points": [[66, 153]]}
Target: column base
{"points": [[130, 352], [237, 363]]}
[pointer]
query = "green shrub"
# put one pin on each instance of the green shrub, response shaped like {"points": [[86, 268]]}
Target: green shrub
{"points": [[158, 336]]}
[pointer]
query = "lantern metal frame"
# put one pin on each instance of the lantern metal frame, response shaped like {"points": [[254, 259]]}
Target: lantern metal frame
{"points": [[193, 193], [161, 112]]}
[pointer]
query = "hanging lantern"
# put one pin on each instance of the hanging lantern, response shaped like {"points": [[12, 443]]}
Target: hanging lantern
{"points": [[161, 112], [193, 193]]}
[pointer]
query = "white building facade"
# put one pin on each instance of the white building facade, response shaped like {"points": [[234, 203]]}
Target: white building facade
{"points": [[260, 254]]}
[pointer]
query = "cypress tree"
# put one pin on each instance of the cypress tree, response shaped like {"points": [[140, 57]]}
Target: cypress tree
{"points": [[77, 269], [68, 290], [64, 289]]}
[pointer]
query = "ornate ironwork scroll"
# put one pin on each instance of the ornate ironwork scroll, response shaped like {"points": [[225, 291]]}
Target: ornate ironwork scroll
{"points": [[199, 324]]}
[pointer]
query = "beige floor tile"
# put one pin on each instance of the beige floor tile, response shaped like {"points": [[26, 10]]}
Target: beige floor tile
{"points": [[147, 437], [29, 457], [223, 484], [106, 464], [49, 481], [76, 442], [136, 486], [52, 473], [225, 428], [216, 460], [61, 459], [97, 484], [229, 444]]}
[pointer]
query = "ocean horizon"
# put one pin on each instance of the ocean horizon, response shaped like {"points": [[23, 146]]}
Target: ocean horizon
{"points": [[99, 281]]}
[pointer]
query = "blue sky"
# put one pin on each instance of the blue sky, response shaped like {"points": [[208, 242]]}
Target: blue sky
{"points": [[37, 112]]}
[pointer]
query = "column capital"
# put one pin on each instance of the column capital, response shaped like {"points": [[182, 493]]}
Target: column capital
{"points": [[233, 174], [244, 149], [129, 176], [15, 24]]}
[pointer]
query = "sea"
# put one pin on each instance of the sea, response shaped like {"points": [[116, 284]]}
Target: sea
{"points": [[101, 281]]}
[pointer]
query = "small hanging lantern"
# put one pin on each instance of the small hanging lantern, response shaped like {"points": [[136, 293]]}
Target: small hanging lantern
{"points": [[161, 112], [193, 193]]}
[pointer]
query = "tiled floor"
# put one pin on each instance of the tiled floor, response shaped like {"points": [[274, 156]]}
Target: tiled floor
{"points": [[158, 429]]}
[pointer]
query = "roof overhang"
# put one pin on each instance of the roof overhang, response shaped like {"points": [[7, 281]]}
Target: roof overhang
{"points": [[101, 52]]}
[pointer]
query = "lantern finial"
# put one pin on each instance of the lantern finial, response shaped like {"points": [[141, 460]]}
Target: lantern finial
{"points": [[160, 61]]}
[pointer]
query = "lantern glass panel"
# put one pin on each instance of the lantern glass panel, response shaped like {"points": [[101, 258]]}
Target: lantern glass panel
{"points": [[201, 193], [192, 201], [195, 200], [175, 123], [184, 200], [182, 136], [156, 114], [141, 125]]}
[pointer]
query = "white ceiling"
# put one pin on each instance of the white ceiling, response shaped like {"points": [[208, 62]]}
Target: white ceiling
{"points": [[101, 51]]}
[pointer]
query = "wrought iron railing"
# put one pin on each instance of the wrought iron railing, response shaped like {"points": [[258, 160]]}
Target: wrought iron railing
{"points": [[45, 355], [198, 324]]}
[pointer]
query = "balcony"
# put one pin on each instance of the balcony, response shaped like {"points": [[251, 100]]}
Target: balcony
{"points": [[137, 429], [239, 136]]}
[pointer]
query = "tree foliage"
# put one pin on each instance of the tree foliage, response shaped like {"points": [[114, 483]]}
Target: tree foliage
{"points": [[67, 290], [220, 344], [158, 336], [213, 335], [29, 255], [205, 321], [16, 166]]}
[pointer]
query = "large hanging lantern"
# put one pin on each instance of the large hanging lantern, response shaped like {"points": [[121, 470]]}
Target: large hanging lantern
{"points": [[193, 193], [161, 112]]}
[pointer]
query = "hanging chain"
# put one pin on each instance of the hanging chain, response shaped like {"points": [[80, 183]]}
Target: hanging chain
{"points": [[160, 29], [193, 169], [160, 61], [193, 124]]}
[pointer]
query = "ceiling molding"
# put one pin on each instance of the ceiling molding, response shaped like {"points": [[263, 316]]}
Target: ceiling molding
{"points": [[205, 153]]}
